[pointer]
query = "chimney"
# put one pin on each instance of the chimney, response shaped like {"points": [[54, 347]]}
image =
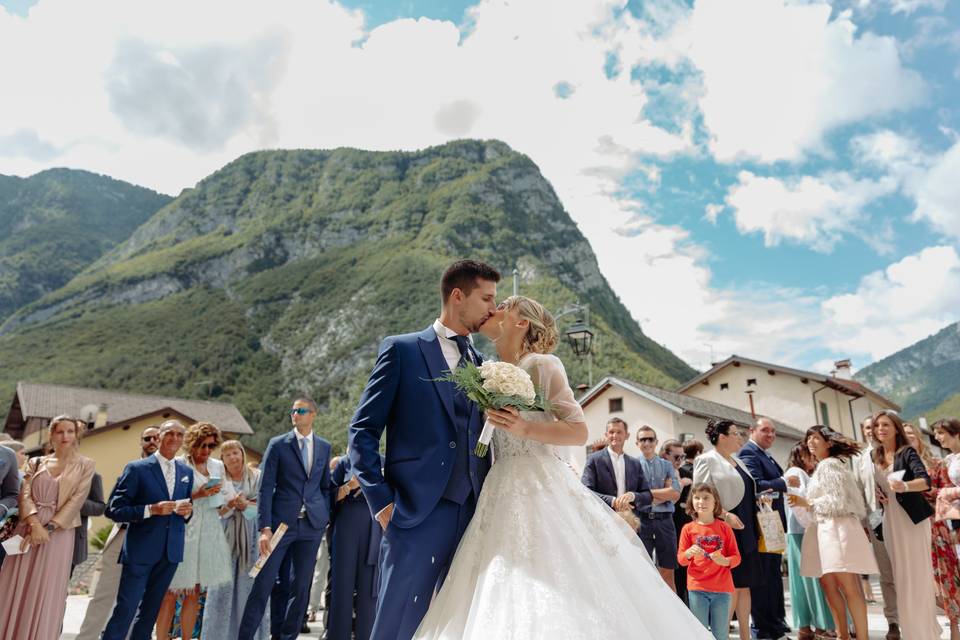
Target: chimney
{"points": [[101, 417], [842, 369]]}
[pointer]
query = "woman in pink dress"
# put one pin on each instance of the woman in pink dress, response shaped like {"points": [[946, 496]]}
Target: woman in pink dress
{"points": [[33, 585]]}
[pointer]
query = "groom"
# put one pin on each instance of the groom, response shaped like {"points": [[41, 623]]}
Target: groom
{"points": [[427, 492]]}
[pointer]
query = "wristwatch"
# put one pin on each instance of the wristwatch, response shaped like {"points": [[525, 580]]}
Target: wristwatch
{"points": [[50, 527]]}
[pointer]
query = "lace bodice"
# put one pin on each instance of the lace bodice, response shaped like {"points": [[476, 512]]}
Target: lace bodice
{"points": [[550, 378]]}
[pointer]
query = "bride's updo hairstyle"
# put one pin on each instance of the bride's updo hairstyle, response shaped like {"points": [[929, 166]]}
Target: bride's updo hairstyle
{"points": [[542, 334]]}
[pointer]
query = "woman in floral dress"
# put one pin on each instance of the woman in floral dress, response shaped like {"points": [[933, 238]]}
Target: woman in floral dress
{"points": [[945, 481]]}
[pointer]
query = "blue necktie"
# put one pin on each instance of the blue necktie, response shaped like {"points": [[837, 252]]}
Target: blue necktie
{"points": [[466, 351], [304, 455]]}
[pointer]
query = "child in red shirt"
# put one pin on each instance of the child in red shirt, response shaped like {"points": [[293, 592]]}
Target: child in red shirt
{"points": [[708, 549]]}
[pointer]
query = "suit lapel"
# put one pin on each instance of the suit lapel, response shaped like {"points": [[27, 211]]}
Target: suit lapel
{"points": [[180, 472], [295, 447], [630, 471], [158, 474], [607, 464], [316, 455], [437, 366]]}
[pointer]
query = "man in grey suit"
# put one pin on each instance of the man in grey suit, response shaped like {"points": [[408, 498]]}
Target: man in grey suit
{"points": [[92, 506], [105, 595], [9, 485]]}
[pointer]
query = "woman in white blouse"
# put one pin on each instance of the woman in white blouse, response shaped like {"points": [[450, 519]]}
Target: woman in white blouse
{"points": [[835, 547]]}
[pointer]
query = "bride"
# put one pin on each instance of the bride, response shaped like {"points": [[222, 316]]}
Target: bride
{"points": [[543, 556]]}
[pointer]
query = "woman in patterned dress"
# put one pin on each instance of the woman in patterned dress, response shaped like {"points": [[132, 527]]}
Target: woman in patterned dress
{"points": [[945, 482]]}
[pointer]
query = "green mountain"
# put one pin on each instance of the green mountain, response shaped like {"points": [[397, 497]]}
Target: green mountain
{"points": [[280, 274], [56, 223], [949, 408], [922, 376]]}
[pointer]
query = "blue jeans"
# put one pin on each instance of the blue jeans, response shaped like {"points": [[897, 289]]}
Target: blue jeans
{"points": [[712, 610]]}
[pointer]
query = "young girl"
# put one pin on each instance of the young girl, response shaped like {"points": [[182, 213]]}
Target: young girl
{"points": [[708, 549]]}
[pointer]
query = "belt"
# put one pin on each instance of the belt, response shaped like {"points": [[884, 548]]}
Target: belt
{"points": [[650, 515]]}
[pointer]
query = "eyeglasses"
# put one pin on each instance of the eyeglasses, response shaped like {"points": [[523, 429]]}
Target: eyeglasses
{"points": [[300, 411], [647, 439], [150, 438], [207, 445]]}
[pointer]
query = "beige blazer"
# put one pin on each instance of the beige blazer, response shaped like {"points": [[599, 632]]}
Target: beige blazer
{"points": [[74, 487], [713, 468]]}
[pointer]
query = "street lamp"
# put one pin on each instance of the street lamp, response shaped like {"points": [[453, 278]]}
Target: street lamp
{"points": [[579, 335]]}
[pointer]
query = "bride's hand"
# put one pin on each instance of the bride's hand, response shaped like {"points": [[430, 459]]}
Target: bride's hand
{"points": [[508, 419]]}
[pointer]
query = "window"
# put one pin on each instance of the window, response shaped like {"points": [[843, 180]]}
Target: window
{"points": [[616, 405], [751, 382], [724, 386], [824, 414]]}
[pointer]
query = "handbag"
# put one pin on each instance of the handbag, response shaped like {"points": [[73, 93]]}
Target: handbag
{"points": [[773, 539], [9, 525]]}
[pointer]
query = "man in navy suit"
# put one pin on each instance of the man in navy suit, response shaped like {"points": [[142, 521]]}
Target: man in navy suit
{"points": [[766, 603], [294, 490], [427, 491], [614, 476], [153, 497], [355, 558]]}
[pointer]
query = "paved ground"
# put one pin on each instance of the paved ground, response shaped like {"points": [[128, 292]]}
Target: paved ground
{"points": [[76, 605]]}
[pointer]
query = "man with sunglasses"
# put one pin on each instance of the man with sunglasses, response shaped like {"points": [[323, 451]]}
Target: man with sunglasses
{"points": [[295, 490], [656, 521], [100, 606]]}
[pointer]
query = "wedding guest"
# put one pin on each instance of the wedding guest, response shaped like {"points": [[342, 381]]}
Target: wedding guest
{"points": [[835, 547], [33, 585], [708, 548], [656, 520], [768, 608], [20, 450], [224, 605], [295, 490], [206, 557], [811, 613], [722, 469], [9, 485], [674, 452], [108, 566], [615, 477], [356, 552], [92, 506], [906, 525], [946, 568], [865, 473], [152, 496]]}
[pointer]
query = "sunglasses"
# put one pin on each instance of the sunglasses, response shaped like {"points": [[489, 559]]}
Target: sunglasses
{"points": [[207, 445], [300, 411], [150, 438], [647, 439], [678, 456]]}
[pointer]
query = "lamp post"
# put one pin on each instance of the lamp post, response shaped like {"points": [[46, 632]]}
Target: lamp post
{"points": [[579, 335]]}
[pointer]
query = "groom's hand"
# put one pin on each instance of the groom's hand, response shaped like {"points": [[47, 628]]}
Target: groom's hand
{"points": [[385, 516]]}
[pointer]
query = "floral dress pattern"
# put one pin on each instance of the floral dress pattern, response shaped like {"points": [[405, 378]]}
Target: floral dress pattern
{"points": [[946, 567]]}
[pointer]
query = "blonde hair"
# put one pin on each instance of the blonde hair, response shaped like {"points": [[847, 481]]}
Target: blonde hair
{"points": [[78, 425], [929, 460], [542, 334], [235, 444], [199, 432]]}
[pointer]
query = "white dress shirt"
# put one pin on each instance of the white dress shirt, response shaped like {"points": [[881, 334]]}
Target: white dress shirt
{"points": [[309, 439], [619, 471], [169, 469], [451, 352]]}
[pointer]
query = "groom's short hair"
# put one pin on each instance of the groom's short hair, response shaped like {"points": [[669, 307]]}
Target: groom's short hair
{"points": [[464, 274]]}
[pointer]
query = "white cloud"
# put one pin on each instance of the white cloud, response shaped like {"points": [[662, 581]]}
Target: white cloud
{"points": [[938, 194], [778, 75], [812, 211]]}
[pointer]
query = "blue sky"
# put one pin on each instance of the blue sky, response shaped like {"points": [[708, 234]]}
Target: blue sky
{"points": [[769, 177]]}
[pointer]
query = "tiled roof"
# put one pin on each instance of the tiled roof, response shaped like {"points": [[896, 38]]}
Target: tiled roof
{"points": [[688, 404], [49, 400]]}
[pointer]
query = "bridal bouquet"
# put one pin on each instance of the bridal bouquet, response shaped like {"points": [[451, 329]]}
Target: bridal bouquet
{"points": [[496, 385]]}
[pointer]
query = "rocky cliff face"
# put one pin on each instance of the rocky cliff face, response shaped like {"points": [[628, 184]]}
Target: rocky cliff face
{"points": [[921, 376], [56, 223], [280, 274]]}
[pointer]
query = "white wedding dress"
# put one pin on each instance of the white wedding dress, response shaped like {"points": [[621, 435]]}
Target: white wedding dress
{"points": [[543, 557]]}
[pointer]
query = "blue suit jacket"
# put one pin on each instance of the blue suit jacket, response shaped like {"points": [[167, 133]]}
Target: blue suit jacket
{"points": [[598, 476], [149, 539], [418, 415], [766, 472], [340, 476], [285, 487]]}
